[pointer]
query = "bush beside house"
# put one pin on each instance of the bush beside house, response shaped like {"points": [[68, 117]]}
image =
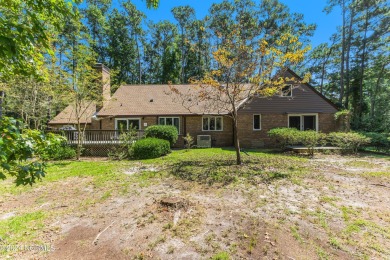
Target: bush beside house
{"points": [[165, 132], [149, 148], [348, 142], [380, 141]]}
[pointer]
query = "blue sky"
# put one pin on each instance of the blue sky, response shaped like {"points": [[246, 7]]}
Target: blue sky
{"points": [[312, 10]]}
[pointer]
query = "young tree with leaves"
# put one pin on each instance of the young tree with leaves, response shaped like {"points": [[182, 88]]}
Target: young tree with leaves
{"points": [[238, 77]]}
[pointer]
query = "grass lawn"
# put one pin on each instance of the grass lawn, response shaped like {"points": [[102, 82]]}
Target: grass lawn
{"points": [[273, 206]]}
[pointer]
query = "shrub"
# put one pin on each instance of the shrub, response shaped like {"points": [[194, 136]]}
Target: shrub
{"points": [[380, 141], [348, 142], [49, 146], [150, 148], [62, 153], [126, 141], [285, 136], [311, 139], [165, 132], [188, 141]]}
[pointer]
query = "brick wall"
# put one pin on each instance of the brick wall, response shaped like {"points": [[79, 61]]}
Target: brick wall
{"points": [[249, 138], [259, 138], [193, 126], [327, 123]]}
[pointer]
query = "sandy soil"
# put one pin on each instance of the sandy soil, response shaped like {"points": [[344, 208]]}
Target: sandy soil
{"points": [[337, 211]]}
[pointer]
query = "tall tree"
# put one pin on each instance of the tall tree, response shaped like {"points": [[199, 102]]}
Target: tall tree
{"points": [[134, 22], [184, 16], [25, 35], [96, 13]]}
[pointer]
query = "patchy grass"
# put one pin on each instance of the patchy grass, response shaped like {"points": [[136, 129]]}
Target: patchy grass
{"points": [[273, 206], [217, 165], [378, 174], [22, 228], [360, 164]]}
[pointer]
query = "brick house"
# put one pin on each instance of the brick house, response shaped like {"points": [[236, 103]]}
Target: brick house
{"points": [[300, 106]]}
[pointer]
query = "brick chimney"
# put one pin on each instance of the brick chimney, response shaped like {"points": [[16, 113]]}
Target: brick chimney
{"points": [[105, 81]]}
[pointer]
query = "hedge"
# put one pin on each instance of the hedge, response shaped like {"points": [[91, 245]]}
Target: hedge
{"points": [[149, 148], [165, 132], [348, 142]]}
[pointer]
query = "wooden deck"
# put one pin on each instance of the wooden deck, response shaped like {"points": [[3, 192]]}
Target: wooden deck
{"points": [[94, 142]]}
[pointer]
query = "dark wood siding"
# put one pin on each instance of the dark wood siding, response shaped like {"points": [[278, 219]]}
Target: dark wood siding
{"points": [[303, 100]]}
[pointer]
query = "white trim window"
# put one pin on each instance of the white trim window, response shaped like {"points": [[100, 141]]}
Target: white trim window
{"points": [[123, 124], [257, 122], [303, 121], [174, 121], [212, 123], [286, 91]]}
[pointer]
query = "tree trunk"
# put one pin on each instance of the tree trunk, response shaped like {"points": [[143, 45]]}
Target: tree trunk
{"points": [[1, 103], [236, 140], [139, 61], [347, 78], [362, 66], [78, 150], [342, 56], [182, 55]]}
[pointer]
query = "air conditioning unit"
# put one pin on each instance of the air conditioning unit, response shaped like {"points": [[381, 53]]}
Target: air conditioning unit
{"points": [[204, 141]]}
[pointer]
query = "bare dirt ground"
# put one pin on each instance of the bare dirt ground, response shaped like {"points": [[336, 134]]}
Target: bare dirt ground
{"points": [[339, 210]]}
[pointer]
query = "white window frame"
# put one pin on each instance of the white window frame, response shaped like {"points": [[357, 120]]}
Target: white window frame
{"points": [[253, 122], [291, 91], [127, 120], [165, 119], [302, 123], [208, 117]]}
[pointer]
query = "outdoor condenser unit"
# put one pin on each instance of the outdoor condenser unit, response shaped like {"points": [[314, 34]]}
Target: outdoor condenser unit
{"points": [[204, 141]]}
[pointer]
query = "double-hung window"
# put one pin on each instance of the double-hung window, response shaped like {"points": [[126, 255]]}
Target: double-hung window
{"points": [[256, 122], [175, 121], [212, 123]]}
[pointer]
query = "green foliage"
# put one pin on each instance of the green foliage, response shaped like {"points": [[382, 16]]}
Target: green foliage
{"points": [[345, 117], [188, 141], [25, 33], [126, 141], [285, 136], [292, 136], [311, 139], [152, 3], [348, 142], [21, 155], [63, 152], [50, 146], [221, 256], [165, 132], [380, 141], [149, 148]]}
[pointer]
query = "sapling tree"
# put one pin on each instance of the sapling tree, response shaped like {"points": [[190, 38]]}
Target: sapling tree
{"points": [[245, 67]]}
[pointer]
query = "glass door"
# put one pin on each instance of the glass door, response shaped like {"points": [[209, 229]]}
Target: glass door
{"points": [[309, 123], [294, 122], [121, 125], [134, 123]]}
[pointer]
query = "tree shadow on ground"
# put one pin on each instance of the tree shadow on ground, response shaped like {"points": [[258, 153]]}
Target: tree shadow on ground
{"points": [[224, 172]]}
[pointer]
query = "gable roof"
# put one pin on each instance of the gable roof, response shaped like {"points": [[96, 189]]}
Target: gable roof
{"points": [[147, 100], [313, 89], [68, 115]]}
